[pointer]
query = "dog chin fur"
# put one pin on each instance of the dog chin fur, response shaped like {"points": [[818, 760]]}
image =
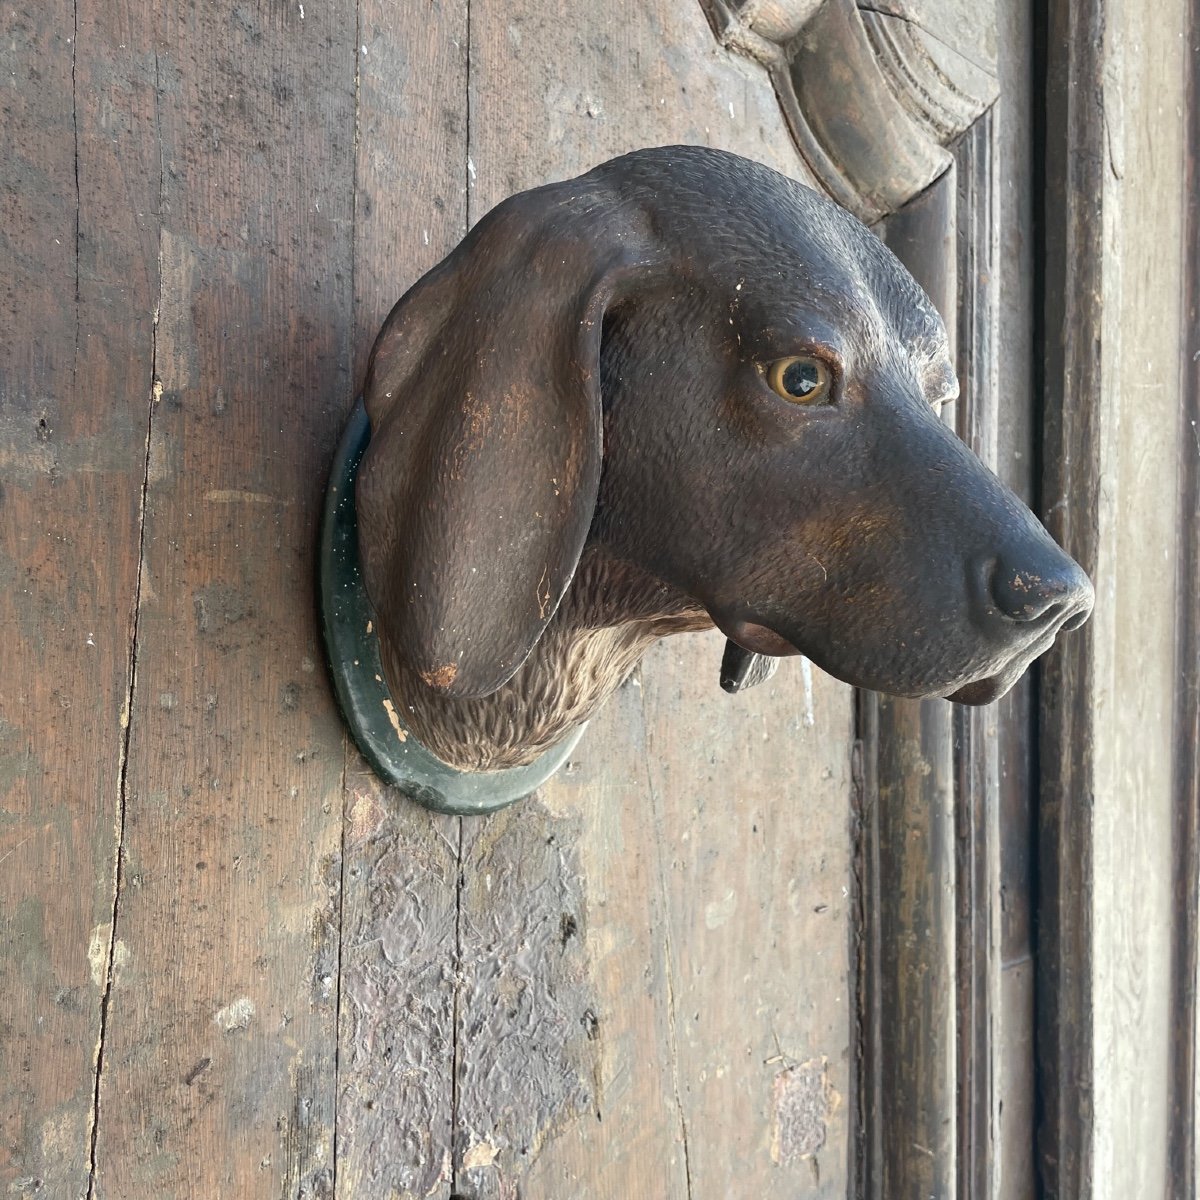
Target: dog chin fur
{"points": [[609, 617]]}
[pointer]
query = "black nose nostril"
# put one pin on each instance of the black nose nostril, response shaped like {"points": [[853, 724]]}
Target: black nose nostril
{"points": [[1027, 595], [1079, 618]]}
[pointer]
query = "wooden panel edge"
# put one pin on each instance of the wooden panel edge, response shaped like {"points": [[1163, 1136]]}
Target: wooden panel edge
{"points": [[1074, 157], [1186, 864], [906, 1109], [977, 730]]}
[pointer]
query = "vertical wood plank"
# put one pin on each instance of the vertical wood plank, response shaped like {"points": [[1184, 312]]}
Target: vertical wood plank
{"points": [[624, 1113], [977, 731], [219, 1051], [401, 862], [78, 240], [1134, 819], [910, 971], [752, 829], [1072, 38], [1185, 967], [677, 1020], [1017, 459]]}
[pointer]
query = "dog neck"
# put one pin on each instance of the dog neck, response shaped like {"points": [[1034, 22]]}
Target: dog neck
{"points": [[609, 616]]}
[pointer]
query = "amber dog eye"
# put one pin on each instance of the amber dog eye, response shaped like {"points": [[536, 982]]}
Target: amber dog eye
{"points": [[803, 380]]}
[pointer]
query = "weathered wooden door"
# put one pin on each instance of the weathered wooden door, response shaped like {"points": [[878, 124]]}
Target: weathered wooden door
{"points": [[739, 947]]}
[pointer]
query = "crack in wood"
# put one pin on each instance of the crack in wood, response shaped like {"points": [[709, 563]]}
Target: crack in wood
{"points": [[930, 33], [131, 681]]}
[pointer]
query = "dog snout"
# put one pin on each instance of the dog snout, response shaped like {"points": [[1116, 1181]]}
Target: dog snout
{"points": [[1041, 589]]}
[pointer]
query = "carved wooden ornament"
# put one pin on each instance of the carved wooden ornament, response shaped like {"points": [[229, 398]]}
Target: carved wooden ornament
{"points": [[678, 391]]}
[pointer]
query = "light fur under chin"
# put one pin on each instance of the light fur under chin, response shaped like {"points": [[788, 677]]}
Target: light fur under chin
{"points": [[609, 617]]}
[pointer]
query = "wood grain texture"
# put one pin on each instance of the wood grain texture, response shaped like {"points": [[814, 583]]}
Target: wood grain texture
{"points": [[555, 90], [913, 908], [1185, 965], [1075, 182], [634, 985], [1142, 340], [1114, 156], [663, 917], [77, 290], [756, 880], [978, 731], [907, 873], [219, 1049], [624, 1114], [1016, 463], [401, 871]]}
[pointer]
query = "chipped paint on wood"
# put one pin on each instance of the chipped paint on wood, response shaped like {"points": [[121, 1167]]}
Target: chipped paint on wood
{"points": [[802, 1101], [718, 912], [529, 1016], [236, 1015], [97, 952], [239, 496], [396, 1025], [482, 1154]]}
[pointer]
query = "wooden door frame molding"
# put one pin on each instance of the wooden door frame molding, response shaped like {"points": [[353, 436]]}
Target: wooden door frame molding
{"points": [[1074, 153], [1079, 195], [908, 144]]}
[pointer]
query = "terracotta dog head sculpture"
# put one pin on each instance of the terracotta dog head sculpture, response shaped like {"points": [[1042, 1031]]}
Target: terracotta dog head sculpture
{"points": [[679, 390]]}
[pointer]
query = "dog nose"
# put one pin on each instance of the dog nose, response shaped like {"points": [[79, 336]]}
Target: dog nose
{"points": [[1042, 589]]}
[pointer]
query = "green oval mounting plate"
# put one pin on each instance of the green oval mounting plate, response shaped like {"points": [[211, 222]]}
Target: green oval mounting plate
{"points": [[352, 652]]}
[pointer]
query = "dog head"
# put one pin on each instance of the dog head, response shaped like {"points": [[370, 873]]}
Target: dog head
{"points": [[727, 381]]}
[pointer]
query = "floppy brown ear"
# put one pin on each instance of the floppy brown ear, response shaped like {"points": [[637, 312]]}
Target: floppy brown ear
{"points": [[478, 486]]}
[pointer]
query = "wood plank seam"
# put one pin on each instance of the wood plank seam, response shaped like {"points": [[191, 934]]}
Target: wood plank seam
{"points": [[668, 953]]}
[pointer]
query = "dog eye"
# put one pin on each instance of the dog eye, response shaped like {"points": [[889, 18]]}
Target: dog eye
{"points": [[801, 380]]}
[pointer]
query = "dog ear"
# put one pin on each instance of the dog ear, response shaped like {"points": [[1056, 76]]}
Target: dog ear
{"points": [[478, 487]]}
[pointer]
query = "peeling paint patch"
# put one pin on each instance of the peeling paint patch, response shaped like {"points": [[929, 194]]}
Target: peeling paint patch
{"points": [[806, 677], [97, 952], [366, 817], [482, 1154], [62, 1136], [718, 912], [525, 967], [803, 1101], [394, 718], [237, 1015], [121, 958], [234, 496]]}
